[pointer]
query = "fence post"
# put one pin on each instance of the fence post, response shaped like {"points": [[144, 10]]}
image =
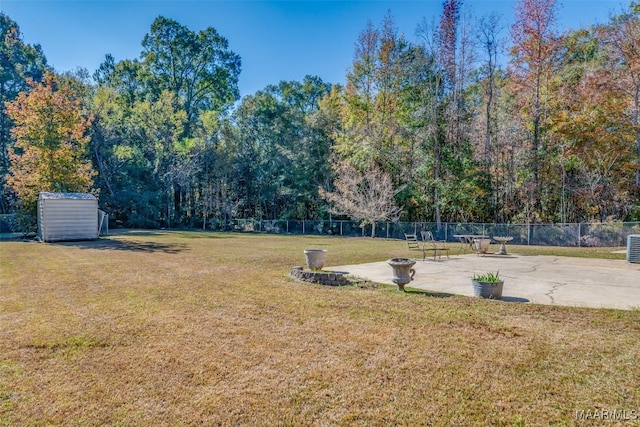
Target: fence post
{"points": [[303, 232], [387, 230], [341, 227], [528, 234], [579, 234]]}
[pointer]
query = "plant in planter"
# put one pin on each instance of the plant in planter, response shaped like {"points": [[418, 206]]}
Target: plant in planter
{"points": [[487, 285]]}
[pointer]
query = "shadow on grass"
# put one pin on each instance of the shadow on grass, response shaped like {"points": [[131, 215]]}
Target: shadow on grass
{"points": [[448, 295], [126, 245], [506, 256], [514, 299], [206, 235], [188, 234], [134, 232], [432, 294]]}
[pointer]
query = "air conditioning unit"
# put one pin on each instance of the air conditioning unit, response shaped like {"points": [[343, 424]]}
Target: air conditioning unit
{"points": [[633, 248]]}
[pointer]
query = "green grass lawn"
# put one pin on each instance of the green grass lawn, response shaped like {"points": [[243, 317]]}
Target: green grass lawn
{"points": [[193, 328]]}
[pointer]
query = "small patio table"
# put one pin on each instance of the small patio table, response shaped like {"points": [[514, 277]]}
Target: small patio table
{"points": [[467, 239]]}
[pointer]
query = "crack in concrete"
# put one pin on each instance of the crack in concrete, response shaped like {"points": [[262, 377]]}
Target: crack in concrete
{"points": [[534, 269], [554, 288]]}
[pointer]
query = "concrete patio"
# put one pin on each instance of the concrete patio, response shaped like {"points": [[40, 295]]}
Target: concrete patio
{"points": [[579, 282]]}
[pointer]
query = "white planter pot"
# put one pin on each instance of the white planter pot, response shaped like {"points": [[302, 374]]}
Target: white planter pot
{"points": [[315, 258], [482, 245]]}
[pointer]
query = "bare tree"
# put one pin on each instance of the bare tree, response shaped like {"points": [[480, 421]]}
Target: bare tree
{"points": [[364, 196]]}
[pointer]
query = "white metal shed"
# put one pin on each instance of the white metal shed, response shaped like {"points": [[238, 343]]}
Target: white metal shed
{"points": [[67, 216]]}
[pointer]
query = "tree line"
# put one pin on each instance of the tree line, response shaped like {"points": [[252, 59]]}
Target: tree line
{"points": [[449, 127]]}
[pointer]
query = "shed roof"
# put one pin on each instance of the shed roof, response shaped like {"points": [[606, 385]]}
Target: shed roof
{"points": [[75, 196]]}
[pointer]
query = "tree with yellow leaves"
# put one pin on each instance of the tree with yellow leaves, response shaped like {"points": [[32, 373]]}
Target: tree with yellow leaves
{"points": [[50, 153]]}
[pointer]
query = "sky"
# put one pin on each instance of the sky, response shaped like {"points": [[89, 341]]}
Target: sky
{"points": [[276, 40]]}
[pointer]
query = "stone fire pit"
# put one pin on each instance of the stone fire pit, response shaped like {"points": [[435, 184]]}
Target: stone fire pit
{"points": [[330, 278]]}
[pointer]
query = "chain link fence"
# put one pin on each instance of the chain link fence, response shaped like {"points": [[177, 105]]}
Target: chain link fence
{"points": [[578, 234], [8, 224]]}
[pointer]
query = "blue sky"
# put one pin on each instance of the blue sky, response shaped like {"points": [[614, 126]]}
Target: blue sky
{"points": [[277, 40]]}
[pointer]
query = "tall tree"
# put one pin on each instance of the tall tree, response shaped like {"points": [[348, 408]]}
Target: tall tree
{"points": [[19, 62], [378, 128], [198, 68], [156, 170], [128, 78], [533, 54], [587, 153], [155, 128], [281, 154], [489, 29], [455, 53], [373, 134], [433, 111], [450, 166], [51, 143], [489, 40], [622, 44]]}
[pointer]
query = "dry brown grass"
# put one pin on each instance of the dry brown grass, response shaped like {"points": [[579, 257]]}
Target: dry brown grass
{"points": [[188, 328]]}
